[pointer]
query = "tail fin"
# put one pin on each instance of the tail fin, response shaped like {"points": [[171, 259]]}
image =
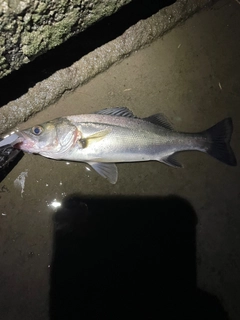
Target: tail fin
{"points": [[219, 137]]}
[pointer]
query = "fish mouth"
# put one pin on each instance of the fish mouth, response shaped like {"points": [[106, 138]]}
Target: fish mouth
{"points": [[23, 142], [17, 144]]}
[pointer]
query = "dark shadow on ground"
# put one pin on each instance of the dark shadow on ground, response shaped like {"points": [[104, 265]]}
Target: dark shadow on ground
{"points": [[9, 158], [126, 257], [18, 82]]}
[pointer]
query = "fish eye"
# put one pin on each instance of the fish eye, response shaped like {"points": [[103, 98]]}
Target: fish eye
{"points": [[37, 130]]}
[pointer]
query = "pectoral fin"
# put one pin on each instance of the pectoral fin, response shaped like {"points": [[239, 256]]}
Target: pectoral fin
{"points": [[95, 137], [106, 170]]}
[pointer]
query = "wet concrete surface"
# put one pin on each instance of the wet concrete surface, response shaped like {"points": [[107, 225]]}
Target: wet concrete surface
{"points": [[144, 245]]}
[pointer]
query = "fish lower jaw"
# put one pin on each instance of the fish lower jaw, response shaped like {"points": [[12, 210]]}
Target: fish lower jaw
{"points": [[25, 146]]}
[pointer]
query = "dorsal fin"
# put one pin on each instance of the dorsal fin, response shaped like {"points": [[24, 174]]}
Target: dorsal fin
{"points": [[117, 111], [160, 120]]}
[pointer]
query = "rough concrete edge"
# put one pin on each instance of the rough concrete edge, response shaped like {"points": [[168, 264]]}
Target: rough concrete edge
{"points": [[30, 28], [138, 36]]}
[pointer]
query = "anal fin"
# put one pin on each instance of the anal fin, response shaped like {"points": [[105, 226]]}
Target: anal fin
{"points": [[171, 161]]}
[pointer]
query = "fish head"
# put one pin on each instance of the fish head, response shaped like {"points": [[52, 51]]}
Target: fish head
{"points": [[49, 139]]}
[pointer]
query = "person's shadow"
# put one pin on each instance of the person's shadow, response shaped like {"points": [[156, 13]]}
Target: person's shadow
{"points": [[127, 257]]}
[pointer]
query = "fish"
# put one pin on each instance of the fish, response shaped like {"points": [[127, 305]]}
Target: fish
{"points": [[116, 135]]}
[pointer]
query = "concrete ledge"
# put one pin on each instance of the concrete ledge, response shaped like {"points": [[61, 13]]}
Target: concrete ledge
{"points": [[29, 28], [141, 34]]}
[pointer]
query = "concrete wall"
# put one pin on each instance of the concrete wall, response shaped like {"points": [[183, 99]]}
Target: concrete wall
{"points": [[29, 28]]}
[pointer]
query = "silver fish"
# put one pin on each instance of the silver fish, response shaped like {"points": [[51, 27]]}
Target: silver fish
{"points": [[116, 135]]}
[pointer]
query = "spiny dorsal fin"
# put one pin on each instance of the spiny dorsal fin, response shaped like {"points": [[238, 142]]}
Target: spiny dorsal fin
{"points": [[117, 111], [160, 120]]}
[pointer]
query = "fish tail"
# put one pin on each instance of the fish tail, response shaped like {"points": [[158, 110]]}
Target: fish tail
{"points": [[218, 145]]}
